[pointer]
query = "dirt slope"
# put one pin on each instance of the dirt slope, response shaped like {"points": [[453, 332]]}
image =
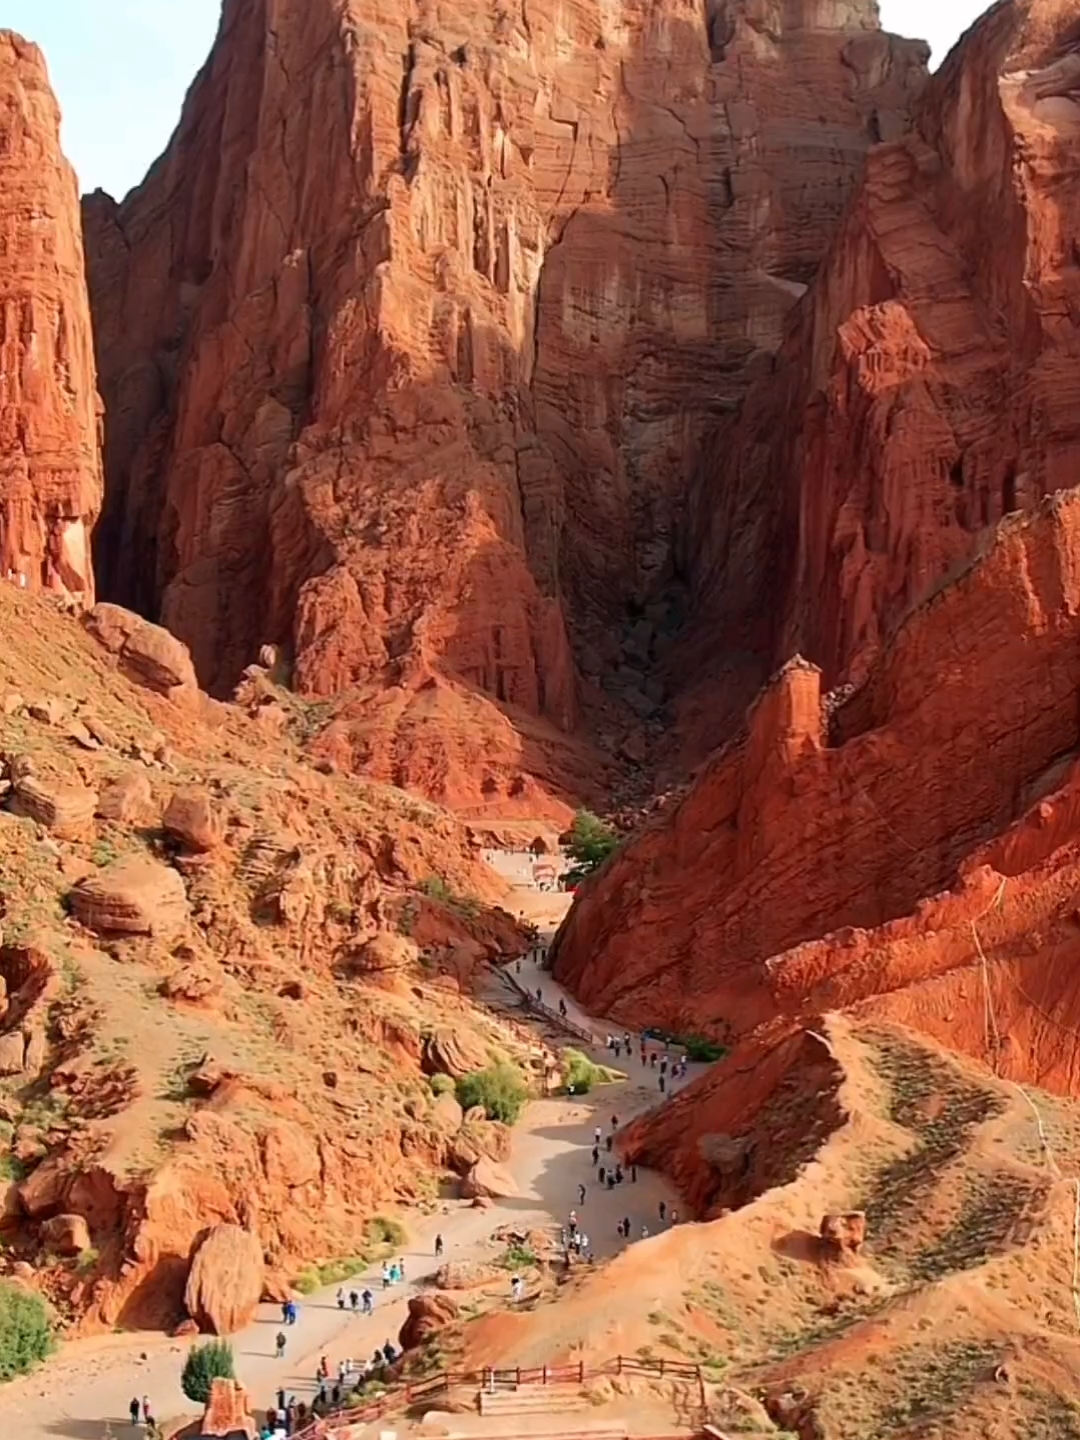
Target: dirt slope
{"points": [[954, 1316], [259, 1056]]}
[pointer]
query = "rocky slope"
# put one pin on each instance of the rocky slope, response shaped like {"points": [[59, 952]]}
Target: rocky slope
{"points": [[225, 978], [808, 867], [928, 384], [888, 1251], [50, 464], [409, 340]]}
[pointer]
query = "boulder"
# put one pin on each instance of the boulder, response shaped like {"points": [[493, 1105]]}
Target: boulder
{"points": [[384, 953], [192, 818], [12, 1052], [147, 653], [486, 1179], [225, 1281], [843, 1235], [133, 896], [67, 811], [452, 1052], [478, 1140], [50, 710], [446, 1113], [126, 798], [428, 1314], [65, 1235], [466, 1275], [37, 1049], [10, 1206]]}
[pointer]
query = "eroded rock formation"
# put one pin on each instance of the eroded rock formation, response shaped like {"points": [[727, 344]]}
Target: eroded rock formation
{"points": [[928, 384], [750, 900], [409, 341], [50, 464]]}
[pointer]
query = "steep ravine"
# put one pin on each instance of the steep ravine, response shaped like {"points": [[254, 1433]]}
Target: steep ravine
{"points": [[410, 342]]}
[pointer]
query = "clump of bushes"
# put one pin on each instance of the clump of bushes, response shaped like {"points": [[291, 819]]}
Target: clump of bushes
{"points": [[500, 1089], [442, 1084], [205, 1364], [697, 1047], [26, 1336], [382, 1230], [580, 1073]]}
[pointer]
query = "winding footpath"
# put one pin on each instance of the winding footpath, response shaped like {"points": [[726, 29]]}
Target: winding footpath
{"points": [[91, 1383]]}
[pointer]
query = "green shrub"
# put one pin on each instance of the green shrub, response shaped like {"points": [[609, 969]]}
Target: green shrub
{"points": [[436, 888], [25, 1332], [518, 1257], [704, 1051], [205, 1364], [500, 1089], [697, 1047], [381, 1230], [442, 1084], [581, 1074], [307, 1282]]}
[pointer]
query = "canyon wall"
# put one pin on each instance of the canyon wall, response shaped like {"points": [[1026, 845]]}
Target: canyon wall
{"points": [[409, 340], [825, 817], [930, 382], [50, 464]]}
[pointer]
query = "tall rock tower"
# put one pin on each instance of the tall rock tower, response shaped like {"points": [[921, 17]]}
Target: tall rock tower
{"points": [[50, 465]]}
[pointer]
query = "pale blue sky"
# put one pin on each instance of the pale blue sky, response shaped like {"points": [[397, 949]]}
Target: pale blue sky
{"points": [[121, 67]]}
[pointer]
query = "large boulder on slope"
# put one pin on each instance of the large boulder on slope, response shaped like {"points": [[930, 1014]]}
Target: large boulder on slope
{"points": [[428, 1314], [225, 1282], [192, 818], [488, 1180], [147, 653], [133, 896]]}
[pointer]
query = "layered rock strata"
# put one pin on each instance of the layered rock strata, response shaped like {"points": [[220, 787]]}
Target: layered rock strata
{"points": [[50, 465], [821, 818], [409, 339], [929, 383]]}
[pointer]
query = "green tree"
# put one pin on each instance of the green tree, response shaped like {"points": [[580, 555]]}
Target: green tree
{"points": [[591, 842], [500, 1089], [25, 1332], [205, 1364]]}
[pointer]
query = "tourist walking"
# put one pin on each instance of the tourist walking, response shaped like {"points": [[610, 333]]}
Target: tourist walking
{"points": [[581, 1194], [281, 1343], [369, 1302], [354, 1301], [133, 1410], [438, 1246], [662, 1207], [340, 1299]]}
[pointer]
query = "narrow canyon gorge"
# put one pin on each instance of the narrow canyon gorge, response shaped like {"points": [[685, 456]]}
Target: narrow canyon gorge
{"points": [[486, 412]]}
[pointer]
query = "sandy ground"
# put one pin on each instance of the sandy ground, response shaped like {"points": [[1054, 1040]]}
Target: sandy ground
{"points": [[91, 1383]]}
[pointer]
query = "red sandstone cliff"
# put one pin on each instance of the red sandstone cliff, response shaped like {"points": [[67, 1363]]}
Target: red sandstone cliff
{"points": [[815, 823], [930, 382], [409, 340], [50, 466]]}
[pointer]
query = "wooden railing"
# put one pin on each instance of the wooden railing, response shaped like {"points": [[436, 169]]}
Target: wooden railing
{"points": [[404, 1396], [563, 1021]]}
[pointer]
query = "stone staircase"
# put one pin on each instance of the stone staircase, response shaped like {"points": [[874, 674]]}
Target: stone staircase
{"points": [[533, 1400]]}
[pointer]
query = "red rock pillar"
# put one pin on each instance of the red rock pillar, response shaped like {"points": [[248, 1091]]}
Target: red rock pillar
{"points": [[50, 464]]}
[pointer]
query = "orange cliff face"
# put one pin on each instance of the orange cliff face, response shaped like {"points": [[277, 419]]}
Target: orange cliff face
{"points": [[409, 341], [50, 466], [929, 383], [824, 822]]}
